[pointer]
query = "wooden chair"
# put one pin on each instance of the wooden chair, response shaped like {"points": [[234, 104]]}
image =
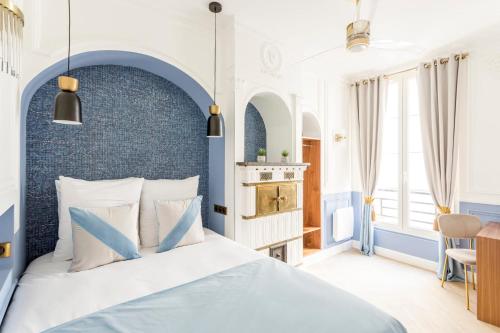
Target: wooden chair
{"points": [[459, 226]]}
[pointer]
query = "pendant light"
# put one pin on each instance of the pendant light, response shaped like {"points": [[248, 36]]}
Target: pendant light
{"points": [[68, 108], [214, 127]]}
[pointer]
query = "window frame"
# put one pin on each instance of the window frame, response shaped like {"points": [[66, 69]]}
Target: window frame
{"points": [[403, 226]]}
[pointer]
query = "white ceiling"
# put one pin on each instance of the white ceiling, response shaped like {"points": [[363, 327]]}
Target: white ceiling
{"points": [[306, 27]]}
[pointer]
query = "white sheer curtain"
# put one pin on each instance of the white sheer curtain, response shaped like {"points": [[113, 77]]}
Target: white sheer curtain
{"points": [[442, 91]]}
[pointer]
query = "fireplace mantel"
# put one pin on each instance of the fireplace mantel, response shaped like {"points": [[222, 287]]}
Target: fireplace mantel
{"points": [[269, 215]]}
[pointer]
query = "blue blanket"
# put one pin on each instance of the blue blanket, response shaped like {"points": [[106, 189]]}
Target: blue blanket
{"points": [[262, 296]]}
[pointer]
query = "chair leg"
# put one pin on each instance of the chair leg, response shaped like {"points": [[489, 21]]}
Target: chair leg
{"points": [[444, 271], [473, 278], [466, 287]]}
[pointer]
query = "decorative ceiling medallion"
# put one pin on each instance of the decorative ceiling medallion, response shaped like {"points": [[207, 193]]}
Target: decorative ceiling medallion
{"points": [[271, 59]]}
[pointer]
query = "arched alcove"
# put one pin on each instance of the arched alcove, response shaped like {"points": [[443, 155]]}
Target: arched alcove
{"points": [[310, 126], [277, 125], [186, 85]]}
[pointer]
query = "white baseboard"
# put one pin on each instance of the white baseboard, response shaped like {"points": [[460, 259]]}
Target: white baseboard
{"points": [[326, 253], [401, 257]]}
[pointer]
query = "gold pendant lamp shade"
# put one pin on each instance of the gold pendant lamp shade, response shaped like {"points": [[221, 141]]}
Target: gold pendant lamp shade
{"points": [[214, 126], [11, 36], [67, 105]]}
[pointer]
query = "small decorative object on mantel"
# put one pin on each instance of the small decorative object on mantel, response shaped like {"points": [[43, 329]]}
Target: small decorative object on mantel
{"points": [[284, 156], [261, 155]]}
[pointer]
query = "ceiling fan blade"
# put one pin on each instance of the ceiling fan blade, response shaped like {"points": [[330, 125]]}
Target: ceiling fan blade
{"points": [[395, 46], [319, 54]]}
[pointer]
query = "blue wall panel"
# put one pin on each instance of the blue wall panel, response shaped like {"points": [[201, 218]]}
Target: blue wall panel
{"points": [[255, 133], [135, 124], [332, 202]]}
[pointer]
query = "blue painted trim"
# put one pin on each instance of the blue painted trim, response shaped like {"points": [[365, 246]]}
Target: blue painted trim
{"points": [[7, 286], [7, 235], [104, 232], [8, 278], [182, 227], [152, 65]]}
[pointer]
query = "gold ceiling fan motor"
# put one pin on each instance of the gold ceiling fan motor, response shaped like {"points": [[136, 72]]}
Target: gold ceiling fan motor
{"points": [[358, 35]]}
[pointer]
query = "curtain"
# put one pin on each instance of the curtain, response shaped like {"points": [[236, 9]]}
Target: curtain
{"points": [[442, 97], [369, 104]]}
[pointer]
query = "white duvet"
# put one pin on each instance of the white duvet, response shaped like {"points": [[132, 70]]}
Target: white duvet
{"points": [[48, 295]]}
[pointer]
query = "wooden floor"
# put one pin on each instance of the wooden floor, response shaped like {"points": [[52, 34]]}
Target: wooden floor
{"points": [[412, 295]]}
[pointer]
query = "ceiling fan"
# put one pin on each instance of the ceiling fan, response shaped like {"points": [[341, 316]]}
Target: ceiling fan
{"points": [[358, 35]]}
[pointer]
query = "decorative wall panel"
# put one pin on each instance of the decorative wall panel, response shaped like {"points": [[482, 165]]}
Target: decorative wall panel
{"points": [[134, 124]]}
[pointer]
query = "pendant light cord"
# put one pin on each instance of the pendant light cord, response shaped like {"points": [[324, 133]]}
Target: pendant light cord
{"points": [[215, 58], [69, 34]]}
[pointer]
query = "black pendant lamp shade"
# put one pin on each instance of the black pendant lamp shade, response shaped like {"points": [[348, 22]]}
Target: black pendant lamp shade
{"points": [[214, 126], [68, 108]]}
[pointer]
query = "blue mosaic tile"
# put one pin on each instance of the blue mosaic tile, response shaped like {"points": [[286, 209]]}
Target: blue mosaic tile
{"points": [[255, 133]]}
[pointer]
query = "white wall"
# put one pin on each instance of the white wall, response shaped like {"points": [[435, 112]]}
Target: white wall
{"points": [[326, 99], [9, 152], [480, 155]]}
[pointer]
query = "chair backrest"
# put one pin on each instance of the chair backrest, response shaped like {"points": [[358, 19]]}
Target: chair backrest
{"points": [[459, 225]]}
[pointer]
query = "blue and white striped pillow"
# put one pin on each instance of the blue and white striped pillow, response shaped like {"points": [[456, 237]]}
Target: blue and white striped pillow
{"points": [[103, 235], [179, 223]]}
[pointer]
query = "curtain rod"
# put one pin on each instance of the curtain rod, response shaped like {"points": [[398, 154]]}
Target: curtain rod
{"points": [[426, 65]]}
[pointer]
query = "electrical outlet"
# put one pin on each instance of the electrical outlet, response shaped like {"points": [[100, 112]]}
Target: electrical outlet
{"points": [[220, 209]]}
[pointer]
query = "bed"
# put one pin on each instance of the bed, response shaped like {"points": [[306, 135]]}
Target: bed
{"points": [[213, 286]]}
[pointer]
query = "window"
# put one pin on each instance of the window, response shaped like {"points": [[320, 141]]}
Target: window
{"points": [[402, 200]]}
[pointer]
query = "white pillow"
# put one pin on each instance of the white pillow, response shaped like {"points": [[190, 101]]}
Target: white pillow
{"points": [[82, 193], [161, 189], [103, 235], [179, 223]]}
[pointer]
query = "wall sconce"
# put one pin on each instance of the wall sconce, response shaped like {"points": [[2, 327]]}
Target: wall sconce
{"points": [[340, 137]]}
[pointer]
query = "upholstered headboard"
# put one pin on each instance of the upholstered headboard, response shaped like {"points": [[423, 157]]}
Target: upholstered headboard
{"points": [[134, 124]]}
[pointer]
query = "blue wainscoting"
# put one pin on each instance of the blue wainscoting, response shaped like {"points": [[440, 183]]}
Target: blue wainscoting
{"points": [[255, 133], [485, 212], [332, 202], [408, 244], [8, 279]]}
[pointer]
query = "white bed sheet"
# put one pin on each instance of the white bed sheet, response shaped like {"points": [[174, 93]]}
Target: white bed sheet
{"points": [[48, 295]]}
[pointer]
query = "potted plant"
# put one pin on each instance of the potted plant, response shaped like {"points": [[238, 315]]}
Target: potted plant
{"points": [[261, 155], [284, 156]]}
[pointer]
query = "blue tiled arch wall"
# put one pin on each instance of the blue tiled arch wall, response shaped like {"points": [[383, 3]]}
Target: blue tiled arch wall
{"points": [[255, 133], [135, 124]]}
